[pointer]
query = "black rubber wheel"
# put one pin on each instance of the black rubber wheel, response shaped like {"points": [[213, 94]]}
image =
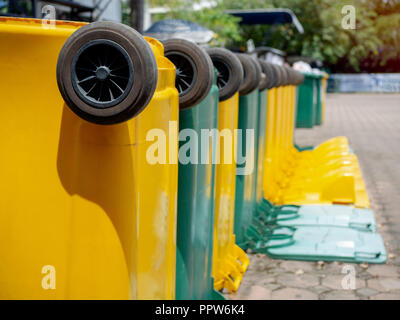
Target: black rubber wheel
{"points": [[278, 75], [267, 73], [229, 71], [194, 70], [267, 82], [298, 77], [263, 82], [289, 73], [259, 70], [106, 72], [251, 74], [269, 67], [284, 79], [290, 76]]}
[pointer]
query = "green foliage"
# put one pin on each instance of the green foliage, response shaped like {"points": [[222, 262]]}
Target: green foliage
{"points": [[126, 12], [323, 38], [377, 32], [225, 26], [388, 29]]}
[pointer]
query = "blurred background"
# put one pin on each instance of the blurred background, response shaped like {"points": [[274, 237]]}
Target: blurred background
{"points": [[315, 35], [360, 50]]}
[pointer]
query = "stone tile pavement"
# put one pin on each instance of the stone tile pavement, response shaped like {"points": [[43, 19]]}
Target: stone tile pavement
{"points": [[372, 124]]}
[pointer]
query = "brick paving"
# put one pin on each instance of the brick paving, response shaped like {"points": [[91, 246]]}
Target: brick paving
{"points": [[372, 124]]}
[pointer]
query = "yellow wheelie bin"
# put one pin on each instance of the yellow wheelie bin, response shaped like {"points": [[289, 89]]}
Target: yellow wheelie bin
{"points": [[87, 210], [321, 176], [198, 120], [270, 165], [324, 88], [311, 164], [229, 260], [321, 157]]}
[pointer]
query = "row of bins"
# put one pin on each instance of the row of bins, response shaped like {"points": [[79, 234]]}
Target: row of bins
{"points": [[312, 100], [135, 169]]}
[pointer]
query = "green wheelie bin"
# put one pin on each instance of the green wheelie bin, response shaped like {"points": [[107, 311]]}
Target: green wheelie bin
{"points": [[198, 116], [307, 102], [248, 122], [266, 83], [229, 261], [318, 100]]}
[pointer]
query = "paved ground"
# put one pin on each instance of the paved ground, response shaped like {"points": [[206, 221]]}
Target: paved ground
{"points": [[372, 124]]}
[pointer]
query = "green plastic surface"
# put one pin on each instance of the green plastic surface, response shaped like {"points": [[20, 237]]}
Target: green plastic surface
{"points": [[326, 244], [260, 142], [245, 196], [195, 220], [318, 105], [306, 102], [320, 215]]}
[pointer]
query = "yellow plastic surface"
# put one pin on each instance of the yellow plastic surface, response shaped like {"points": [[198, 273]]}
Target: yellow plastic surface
{"points": [[325, 175], [229, 261], [79, 197], [324, 87]]}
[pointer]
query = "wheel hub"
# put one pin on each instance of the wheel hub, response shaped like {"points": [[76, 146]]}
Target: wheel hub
{"points": [[186, 72], [102, 73]]}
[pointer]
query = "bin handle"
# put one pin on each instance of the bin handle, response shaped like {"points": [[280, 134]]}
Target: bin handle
{"points": [[362, 226], [289, 216], [281, 236], [272, 217], [367, 255], [288, 243], [287, 206]]}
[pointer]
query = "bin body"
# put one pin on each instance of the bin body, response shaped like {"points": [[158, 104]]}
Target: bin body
{"points": [[323, 95], [229, 261], [195, 225], [307, 99], [270, 166], [245, 197], [81, 208], [318, 108], [260, 138]]}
